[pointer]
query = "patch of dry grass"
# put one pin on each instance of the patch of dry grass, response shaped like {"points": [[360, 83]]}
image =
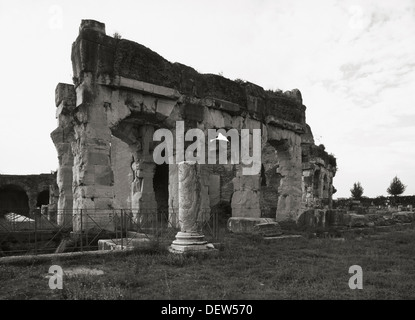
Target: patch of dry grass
{"points": [[245, 268]]}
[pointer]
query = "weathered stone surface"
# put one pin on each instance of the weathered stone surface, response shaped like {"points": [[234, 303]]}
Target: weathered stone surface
{"points": [[189, 196], [249, 225], [379, 219], [335, 217], [269, 229], [20, 193], [403, 216], [65, 95], [121, 158], [312, 218], [127, 91], [356, 220], [138, 241]]}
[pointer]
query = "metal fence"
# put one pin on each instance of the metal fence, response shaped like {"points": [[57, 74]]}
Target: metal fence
{"points": [[85, 230]]}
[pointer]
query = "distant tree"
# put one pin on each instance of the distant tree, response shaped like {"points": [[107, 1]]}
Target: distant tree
{"points": [[357, 191], [117, 35], [396, 188]]}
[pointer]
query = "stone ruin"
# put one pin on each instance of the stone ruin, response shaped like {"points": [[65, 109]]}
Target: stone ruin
{"points": [[123, 92], [26, 194]]}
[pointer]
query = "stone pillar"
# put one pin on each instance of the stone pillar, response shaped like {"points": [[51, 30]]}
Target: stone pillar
{"points": [[290, 193], [63, 136], [189, 238], [290, 189], [93, 177]]}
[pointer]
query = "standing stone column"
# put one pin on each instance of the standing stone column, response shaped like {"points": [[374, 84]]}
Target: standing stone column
{"points": [[64, 181], [290, 188], [189, 238], [93, 178], [63, 136]]}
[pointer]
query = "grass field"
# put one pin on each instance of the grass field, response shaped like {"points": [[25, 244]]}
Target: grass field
{"points": [[243, 268]]}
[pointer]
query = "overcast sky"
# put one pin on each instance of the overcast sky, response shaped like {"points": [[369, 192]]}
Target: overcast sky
{"points": [[353, 61]]}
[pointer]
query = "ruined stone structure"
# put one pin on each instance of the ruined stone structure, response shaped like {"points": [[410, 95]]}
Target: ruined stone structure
{"points": [[23, 194], [123, 92]]}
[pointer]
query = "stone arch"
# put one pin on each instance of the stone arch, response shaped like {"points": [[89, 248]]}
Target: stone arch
{"points": [[14, 198]]}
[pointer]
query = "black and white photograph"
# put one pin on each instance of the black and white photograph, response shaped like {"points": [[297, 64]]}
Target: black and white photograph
{"points": [[207, 158]]}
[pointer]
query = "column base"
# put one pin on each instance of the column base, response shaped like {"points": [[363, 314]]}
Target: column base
{"points": [[190, 242]]}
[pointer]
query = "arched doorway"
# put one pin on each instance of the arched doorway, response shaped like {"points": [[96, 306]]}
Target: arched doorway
{"points": [[161, 191], [13, 198], [42, 199]]}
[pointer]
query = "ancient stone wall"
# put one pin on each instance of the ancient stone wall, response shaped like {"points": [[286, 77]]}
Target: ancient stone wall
{"points": [[123, 92], [319, 170], [23, 194]]}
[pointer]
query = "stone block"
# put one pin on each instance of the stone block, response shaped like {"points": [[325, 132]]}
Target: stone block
{"points": [[92, 25], [248, 224], [147, 87], [64, 177], [123, 244], [65, 93], [252, 124], [241, 211], [227, 106], [214, 118], [194, 112], [335, 217], [307, 219], [117, 110], [356, 220], [403, 216], [245, 198], [98, 158], [247, 182], [98, 131], [269, 229], [83, 176], [165, 107], [103, 175]]}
